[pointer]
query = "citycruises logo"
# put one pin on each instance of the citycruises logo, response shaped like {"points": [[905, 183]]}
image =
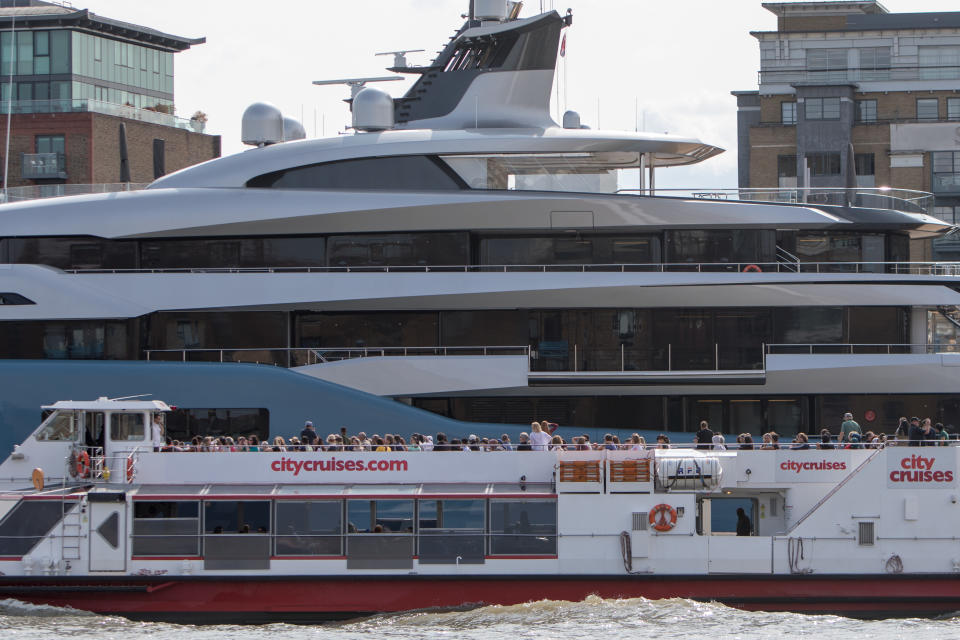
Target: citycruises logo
{"points": [[333, 464], [813, 465], [918, 469]]}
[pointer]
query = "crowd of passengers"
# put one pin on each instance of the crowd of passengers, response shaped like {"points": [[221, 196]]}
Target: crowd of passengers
{"points": [[912, 432]]}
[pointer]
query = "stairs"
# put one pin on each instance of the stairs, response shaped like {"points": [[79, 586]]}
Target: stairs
{"points": [[71, 532]]}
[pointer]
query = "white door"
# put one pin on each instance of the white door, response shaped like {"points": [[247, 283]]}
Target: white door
{"points": [[108, 534]]}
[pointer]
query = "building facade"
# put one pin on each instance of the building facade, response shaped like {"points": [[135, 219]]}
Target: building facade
{"points": [[852, 95], [71, 78]]}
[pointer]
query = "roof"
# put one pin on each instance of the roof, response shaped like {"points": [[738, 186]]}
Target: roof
{"points": [[106, 404], [824, 8], [47, 16]]}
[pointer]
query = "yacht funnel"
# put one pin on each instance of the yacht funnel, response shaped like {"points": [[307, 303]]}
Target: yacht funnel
{"points": [[490, 10]]}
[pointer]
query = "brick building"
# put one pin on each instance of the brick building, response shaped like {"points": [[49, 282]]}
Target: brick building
{"points": [[837, 76], [71, 78]]}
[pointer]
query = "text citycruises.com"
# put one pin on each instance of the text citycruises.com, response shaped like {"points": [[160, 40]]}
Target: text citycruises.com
{"points": [[296, 466]]}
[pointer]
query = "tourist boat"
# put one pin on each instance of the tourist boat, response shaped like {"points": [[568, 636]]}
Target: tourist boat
{"points": [[92, 517], [463, 262]]}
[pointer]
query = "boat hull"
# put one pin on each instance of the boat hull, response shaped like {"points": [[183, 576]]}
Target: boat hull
{"points": [[307, 599]]}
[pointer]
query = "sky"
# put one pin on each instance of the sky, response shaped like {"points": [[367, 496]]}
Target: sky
{"points": [[666, 66]]}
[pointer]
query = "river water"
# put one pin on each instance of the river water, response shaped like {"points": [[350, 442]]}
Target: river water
{"points": [[594, 618]]}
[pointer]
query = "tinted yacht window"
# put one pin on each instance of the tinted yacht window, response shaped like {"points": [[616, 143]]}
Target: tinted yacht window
{"points": [[407, 173]]}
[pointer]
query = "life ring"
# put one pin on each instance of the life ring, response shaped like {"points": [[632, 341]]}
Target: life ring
{"points": [[663, 517], [752, 268], [37, 478], [130, 470], [83, 464]]}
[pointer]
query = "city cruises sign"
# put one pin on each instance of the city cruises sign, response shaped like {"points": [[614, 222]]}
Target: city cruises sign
{"points": [[921, 468]]}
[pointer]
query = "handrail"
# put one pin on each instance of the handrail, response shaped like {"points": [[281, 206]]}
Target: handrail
{"points": [[851, 347], [889, 267]]}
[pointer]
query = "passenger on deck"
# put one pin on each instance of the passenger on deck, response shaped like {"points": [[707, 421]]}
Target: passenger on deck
{"points": [[902, 433], [744, 526], [427, 443], [663, 442], [801, 441], [746, 441], [826, 440], [539, 439], [944, 434], [931, 437], [767, 444], [848, 426], [704, 437], [719, 442], [854, 443], [523, 443], [279, 444], [505, 443], [915, 433], [309, 434], [637, 443], [441, 443]]}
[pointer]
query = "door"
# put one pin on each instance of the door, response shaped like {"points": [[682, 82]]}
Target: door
{"points": [[108, 532]]}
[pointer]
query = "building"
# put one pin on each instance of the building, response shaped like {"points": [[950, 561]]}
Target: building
{"points": [[75, 78], [849, 77]]}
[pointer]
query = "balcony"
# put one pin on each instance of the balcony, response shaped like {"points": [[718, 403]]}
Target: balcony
{"points": [[43, 166], [802, 74], [106, 108], [946, 183]]}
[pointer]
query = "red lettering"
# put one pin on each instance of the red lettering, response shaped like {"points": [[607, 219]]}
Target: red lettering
{"points": [[276, 466], [350, 465], [340, 465]]}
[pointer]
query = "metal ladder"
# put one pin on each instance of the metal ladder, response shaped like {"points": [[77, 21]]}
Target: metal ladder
{"points": [[71, 529]]}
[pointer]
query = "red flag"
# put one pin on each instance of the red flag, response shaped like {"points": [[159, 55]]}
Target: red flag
{"points": [[563, 46]]}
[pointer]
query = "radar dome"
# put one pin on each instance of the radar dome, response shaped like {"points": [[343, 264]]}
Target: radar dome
{"points": [[372, 110], [262, 124], [571, 120], [293, 130]]}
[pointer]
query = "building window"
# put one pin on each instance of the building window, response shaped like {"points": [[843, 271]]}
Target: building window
{"points": [[788, 112], [824, 164], [864, 163], [822, 109], [946, 171], [787, 172], [947, 214], [875, 63], [939, 62], [866, 110], [953, 108], [51, 144], [827, 65], [927, 109]]}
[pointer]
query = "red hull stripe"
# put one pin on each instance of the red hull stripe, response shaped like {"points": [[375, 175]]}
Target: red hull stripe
{"points": [[248, 599]]}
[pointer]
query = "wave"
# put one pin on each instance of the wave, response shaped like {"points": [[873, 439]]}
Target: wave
{"points": [[19, 609]]}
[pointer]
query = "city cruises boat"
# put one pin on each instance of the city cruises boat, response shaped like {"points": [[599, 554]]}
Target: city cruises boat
{"points": [[92, 517], [461, 262]]}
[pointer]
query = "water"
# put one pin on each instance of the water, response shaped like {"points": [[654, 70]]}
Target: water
{"points": [[594, 618]]}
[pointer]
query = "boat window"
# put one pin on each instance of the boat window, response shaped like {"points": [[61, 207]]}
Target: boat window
{"points": [[309, 528], [380, 516], [126, 427], [166, 528], [523, 527], [28, 523], [236, 534], [399, 173], [574, 172], [721, 246], [399, 249], [578, 250], [227, 517], [14, 299], [61, 426], [451, 531], [74, 252], [385, 528]]}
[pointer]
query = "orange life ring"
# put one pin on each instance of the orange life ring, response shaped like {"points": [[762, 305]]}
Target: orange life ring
{"points": [[752, 268], [130, 471], [663, 517], [83, 464], [37, 479]]}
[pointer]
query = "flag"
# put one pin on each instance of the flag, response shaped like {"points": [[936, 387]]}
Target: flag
{"points": [[563, 46]]}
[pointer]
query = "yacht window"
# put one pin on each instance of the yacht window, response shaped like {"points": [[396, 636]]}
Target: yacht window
{"points": [[126, 427], [14, 299], [62, 426], [575, 172], [403, 173]]}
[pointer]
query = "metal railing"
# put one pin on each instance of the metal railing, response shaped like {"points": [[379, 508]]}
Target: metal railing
{"points": [[859, 348], [39, 191], [909, 200], [902, 268], [853, 74], [304, 356], [89, 105]]}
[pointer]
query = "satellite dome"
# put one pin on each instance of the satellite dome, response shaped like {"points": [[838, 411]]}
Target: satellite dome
{"points": [[372, 110], [293, 130], [262, 124]]}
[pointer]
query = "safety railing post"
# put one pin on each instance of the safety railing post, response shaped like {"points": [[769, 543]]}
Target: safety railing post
{"points": [[575, 363], [623, 362], [669, 357], [716, 355]]}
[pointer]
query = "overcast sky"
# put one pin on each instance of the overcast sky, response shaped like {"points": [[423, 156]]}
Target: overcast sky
{"points": [[673, 62]]}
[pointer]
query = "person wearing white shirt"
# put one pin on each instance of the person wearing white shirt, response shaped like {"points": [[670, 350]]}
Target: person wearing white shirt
{"points": [[539, 439], [156, 432]]}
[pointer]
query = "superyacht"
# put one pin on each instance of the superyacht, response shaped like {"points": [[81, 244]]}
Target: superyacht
{"points": [[463, 262]]}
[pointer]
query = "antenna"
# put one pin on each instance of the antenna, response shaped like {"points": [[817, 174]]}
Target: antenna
{"points": [[400, 57], [141, 395], [357, 84]]}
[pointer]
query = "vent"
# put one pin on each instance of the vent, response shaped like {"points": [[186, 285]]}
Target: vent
{"points": [[640, 520], [773, 507], [865, 536]]}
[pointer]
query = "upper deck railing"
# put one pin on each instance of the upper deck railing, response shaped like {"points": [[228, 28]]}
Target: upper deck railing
{"points": [[786, 266], [39, 191], [89, 105], [908, 200]]}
